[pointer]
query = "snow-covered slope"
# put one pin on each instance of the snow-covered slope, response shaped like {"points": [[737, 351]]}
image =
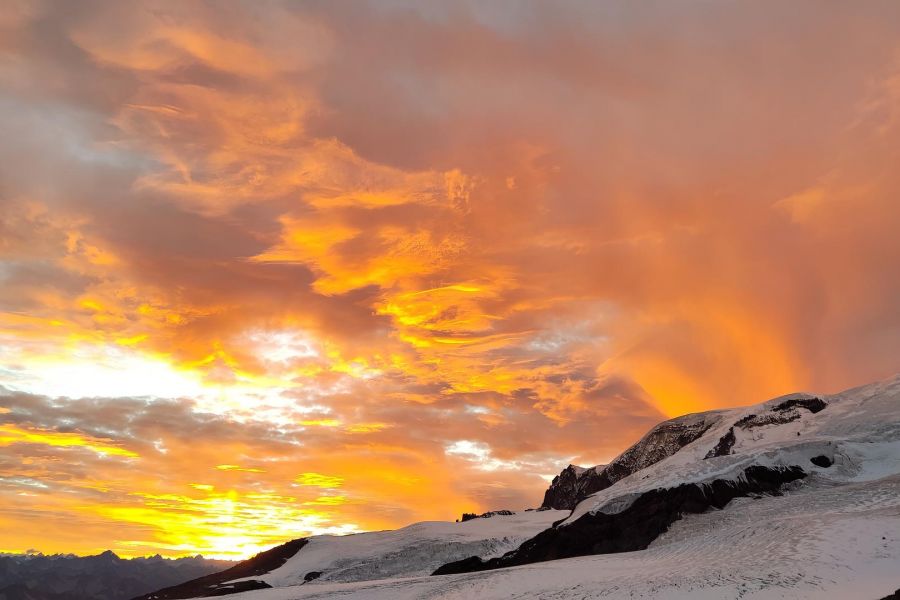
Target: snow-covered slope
{"points": [[809, 492], [416, 550], [826, 542], [411, 551]]}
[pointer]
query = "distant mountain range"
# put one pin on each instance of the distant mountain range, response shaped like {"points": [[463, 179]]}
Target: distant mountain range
{"points": [[101, 577]]}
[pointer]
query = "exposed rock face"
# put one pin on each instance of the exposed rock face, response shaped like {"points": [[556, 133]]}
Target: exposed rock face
{"points": [[784, 412], [635, 527], [812, 404], [215, 584], [724, 445], [575, 484], [563, 489], [486, 515]]}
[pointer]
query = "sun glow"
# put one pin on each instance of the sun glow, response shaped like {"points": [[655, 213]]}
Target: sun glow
{"points": [[101, 370], [226, 524], [219, 383], [242, 300]]}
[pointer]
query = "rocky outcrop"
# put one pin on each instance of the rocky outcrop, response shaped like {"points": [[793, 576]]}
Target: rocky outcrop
{"points": [[575, 484], [216, 584], [486, 515], [784, 412], [810, 403], [564, 488], [635, 527], [724, 445]]}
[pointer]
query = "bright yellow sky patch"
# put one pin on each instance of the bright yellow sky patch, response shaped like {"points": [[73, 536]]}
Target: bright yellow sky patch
{"points": [[319, 480], [11, 434], [239, 468]]}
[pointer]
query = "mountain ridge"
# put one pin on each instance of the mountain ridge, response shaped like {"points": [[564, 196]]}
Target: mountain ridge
{"points": [[797, 495], [103, 576]]}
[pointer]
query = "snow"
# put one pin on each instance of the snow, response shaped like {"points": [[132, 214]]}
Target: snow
{"points": [[873, 460], [415, 550], [833, 535]]}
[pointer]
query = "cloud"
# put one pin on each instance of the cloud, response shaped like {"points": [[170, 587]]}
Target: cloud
{"points": [[249, 243], [318, 480], [10, 434]]}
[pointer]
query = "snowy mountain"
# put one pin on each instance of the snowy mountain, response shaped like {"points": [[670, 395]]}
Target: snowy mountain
{"points": [[413, 551], [797, 497]]}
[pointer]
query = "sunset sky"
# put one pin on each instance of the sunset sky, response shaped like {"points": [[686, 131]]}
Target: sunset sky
{"points": [[277, 268]]}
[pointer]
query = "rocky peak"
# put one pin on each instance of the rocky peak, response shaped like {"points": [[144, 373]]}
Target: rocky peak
{"points": [[564, 487], [575, 483]]}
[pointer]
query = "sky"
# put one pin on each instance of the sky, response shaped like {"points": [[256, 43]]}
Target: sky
{"points": [[273, 269]]}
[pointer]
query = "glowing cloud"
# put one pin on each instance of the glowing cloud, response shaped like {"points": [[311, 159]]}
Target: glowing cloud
{"points": [[424, 254], [318, 480], [10, 434]]}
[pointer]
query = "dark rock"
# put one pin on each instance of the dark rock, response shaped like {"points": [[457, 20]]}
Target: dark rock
{"points": [[563, 489], [486, 515], [813, 405], [215, 584], [637, 526], [745, 422], [894, 596], [311, 576], [775, 418], [785, 412], [238, 587], [821, 461], [724, 445]]}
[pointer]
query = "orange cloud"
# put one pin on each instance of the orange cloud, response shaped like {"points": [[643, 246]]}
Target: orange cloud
{"points": [[424, 256], [10, 434], [323, 481]]}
